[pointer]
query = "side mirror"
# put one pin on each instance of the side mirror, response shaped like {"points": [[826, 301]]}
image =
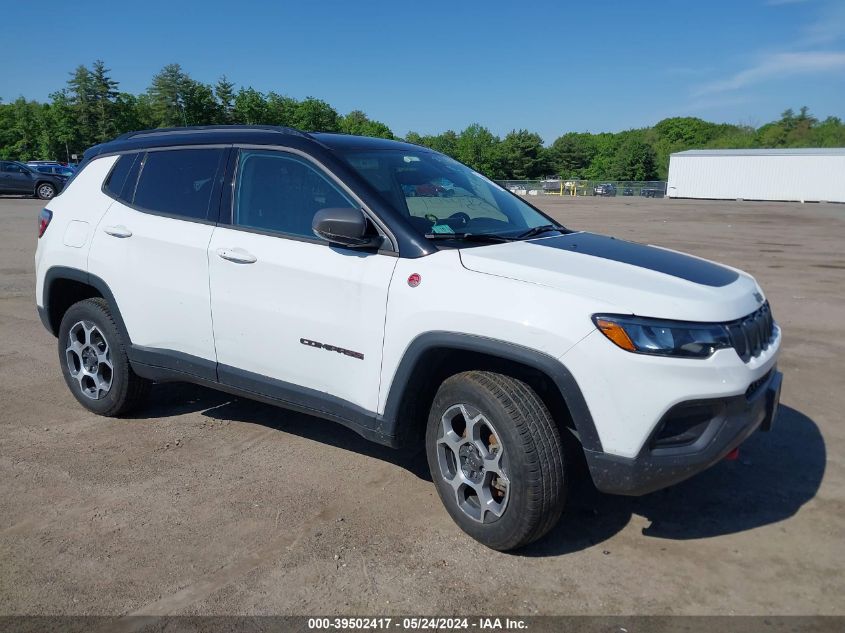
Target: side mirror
{"points": [[345, 226]]}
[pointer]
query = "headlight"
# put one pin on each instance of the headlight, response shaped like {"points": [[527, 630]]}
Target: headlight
{"points": [[663, 338]]}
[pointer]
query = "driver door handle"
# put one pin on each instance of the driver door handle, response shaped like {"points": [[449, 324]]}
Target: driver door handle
{"points": [[117, 231], [237, 255]]}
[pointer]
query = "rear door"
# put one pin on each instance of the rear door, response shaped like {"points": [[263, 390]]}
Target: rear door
{"points": [[151, 248], [295, 317]]}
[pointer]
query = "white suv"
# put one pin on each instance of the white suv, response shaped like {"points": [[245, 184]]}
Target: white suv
{"points": [[393, 290]]}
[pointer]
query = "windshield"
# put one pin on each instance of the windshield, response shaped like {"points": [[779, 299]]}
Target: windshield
{"points": [[442, 197]]}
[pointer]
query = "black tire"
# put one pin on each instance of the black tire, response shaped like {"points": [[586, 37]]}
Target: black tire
{"points": [[127, 390], [529, 439], [45, 191]]}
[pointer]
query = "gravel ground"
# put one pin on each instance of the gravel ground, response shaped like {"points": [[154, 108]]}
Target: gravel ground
{"points": [[204, 504]]}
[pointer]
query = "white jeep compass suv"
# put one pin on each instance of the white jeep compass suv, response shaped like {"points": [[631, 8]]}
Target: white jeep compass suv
{"points": [[394, 290]]}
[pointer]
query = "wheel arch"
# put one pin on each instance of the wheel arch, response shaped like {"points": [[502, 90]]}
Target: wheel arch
{"points": [[434, 356], [64, 286]]}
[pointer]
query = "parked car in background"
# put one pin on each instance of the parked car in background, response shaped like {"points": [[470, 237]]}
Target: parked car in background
{"points": [[651, 192], [18, 178], [551, 185], [628, 191], [604, 189]]}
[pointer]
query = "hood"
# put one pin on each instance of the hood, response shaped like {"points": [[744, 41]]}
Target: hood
{"points": [[626, 277]]}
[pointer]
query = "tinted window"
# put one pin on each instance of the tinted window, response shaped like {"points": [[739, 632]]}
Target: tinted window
{"points": [[116, 182], [282, 192], [178, 182]]}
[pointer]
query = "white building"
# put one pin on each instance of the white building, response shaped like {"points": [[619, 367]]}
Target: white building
{"points": [[805, 175]]}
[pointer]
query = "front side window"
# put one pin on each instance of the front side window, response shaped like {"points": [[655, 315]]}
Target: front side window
{"points": [[280, 192], [178, 182], [442, 196], [15, 168]]}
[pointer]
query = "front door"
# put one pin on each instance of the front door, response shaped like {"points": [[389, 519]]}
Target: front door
{"points": [[15, 178], [293, 314]]}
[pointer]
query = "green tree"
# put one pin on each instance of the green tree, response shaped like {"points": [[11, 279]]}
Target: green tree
{"points": [[315, 115], [224, 91], [634, 160], [91, 109], [128, 113], [167, 96], [250, 107], [80, 89], [281, 110], [828, 133], [524, 156], [445, 143], [103, 95], [200, 106], [571, 154], [480, 149], [60, 122], [358, 123], [25, 130]]}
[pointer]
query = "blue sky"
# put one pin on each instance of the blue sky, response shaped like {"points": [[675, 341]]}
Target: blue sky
{"points": [[428, 65]]}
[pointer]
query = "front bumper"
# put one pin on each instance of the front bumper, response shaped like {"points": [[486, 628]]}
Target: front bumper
{"points": [[658, 466]]}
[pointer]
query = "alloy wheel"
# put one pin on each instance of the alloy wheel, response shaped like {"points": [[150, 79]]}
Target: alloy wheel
{"points": [[471, 459], [89, 359]]}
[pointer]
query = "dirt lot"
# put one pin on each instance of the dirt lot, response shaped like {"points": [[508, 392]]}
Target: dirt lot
{"points": [[207, 505]]}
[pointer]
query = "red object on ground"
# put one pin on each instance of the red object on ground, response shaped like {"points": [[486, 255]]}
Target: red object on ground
{"points": [[733, 455]]}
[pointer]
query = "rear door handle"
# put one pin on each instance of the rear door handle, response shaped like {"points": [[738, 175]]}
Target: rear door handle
{"points": [[118, 231], [237, 255]]}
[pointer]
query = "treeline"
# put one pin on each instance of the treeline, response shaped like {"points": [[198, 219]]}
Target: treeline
{"points": [[91, 109]]}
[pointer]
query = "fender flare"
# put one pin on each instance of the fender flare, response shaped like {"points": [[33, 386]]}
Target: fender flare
{"points": [[540, 361], [58, 273]]}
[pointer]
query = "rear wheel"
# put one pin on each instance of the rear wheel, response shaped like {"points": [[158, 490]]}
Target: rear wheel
{"points": [[45, 191], [496, 459], [94, 362]]}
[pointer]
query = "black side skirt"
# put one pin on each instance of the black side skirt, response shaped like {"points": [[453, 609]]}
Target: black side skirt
{"points": [[170, 366]]}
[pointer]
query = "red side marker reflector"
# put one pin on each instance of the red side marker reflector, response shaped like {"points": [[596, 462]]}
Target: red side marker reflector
{"points": [[733, 455], [414, 280]]}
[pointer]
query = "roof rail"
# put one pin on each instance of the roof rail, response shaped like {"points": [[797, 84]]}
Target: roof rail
{"points": [[199, 129]]}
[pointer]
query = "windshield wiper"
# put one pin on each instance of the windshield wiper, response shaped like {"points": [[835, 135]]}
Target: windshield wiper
{"points": [[537, 230], [469, 237]]}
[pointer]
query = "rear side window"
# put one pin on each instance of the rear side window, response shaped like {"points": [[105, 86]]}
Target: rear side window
{"points": [[117, 183], [178, 182]]}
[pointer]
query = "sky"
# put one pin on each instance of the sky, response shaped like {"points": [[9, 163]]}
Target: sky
{"points": [[429, 65]]}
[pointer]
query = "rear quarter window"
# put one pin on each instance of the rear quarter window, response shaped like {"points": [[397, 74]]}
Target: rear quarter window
{"points": [[117, 184], [178, 182]]}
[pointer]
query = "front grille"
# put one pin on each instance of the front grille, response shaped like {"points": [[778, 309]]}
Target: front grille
{"points": [[753, 334]]}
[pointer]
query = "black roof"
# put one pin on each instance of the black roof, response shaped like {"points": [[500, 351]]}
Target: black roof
{"points": [[252, 134]]}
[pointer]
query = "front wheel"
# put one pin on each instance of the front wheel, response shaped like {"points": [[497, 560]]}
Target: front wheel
{"points": [[496, 459]]}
